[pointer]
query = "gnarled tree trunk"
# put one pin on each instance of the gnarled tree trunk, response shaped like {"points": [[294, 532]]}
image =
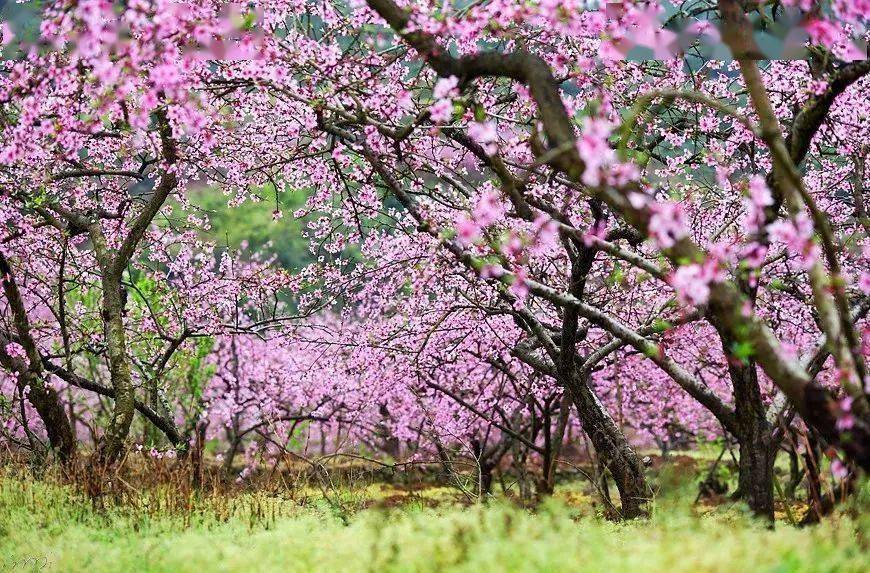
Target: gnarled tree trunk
{"points": [[30, 373], [116, 347], [614, 451], [755, 480], [753, 433]]}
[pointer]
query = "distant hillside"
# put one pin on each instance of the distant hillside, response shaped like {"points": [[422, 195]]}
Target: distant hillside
{"points": [[253, 222]]}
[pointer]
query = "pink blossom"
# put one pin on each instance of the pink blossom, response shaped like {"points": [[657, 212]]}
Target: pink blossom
{"points": [[692, 287], [692, 282], [839, 470], [753, 255], [597, 232], [485, 134], [817, 87], [520, 287], [708, 123], [609, 52], [759, 198], [822, 32], [637, 200], [489, 209], [15, 350], [513, 247], [759, 192], [704, 28], [546, 231], [667, 224], [646, 30], [446, 88], [488, 271], [621, 174], [845, 418], [805, 5], [467, 230], [845, 421], [595, 150], [441, 111], [796, 234], [6, 34]]}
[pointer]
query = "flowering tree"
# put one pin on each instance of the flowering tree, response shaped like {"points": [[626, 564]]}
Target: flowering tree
{"points": [[506, 209], [97, 136], [561, 196]]}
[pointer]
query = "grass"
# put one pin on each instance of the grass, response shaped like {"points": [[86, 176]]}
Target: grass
{"points": [[391, 530]]}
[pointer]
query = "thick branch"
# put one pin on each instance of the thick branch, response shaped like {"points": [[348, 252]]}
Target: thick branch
{"points": [[164, 425], [168, 182]]}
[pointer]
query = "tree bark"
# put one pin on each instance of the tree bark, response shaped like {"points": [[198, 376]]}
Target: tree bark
{"points": [[116, 347], [44, 398], [615, 453], [196, 459], [755, 480], [548, 484], [754, 436]]}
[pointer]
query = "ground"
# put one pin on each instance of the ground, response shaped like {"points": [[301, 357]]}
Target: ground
{"points": [[46, 525]]}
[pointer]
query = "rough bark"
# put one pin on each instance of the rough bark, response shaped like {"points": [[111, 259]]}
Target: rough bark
{"points": [[754, 436], [116, 349], [755, 479], [44, 398], [196, 458], [112, 264], [548, 481], [617, 455], [46, 402], [614, 451]]}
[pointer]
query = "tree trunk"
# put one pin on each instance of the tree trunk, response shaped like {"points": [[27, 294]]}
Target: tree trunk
{"points": [[486, 470], [47, 404], [796, 474], [754, 435], [548, 484], [235, 441], [116, 346], [119, 370], [755, 480], [44, 398], [196, 458], [614, 451]]}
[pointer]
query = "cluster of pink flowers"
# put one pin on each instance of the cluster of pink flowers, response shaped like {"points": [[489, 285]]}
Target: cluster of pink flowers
{"points": [[15, 350], [797, 236], [667, 223], [488, 209], [444, 92], [486, 134], [595, 150], [692, 282]]}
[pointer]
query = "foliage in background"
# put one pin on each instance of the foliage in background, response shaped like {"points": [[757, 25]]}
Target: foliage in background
{"points": [[253, 225]]}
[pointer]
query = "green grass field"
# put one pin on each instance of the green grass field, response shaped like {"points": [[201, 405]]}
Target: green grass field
{"points": [[46, 526]]}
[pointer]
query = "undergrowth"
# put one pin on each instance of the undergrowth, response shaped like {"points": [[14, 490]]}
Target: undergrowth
{"points": [[46, 525]]}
